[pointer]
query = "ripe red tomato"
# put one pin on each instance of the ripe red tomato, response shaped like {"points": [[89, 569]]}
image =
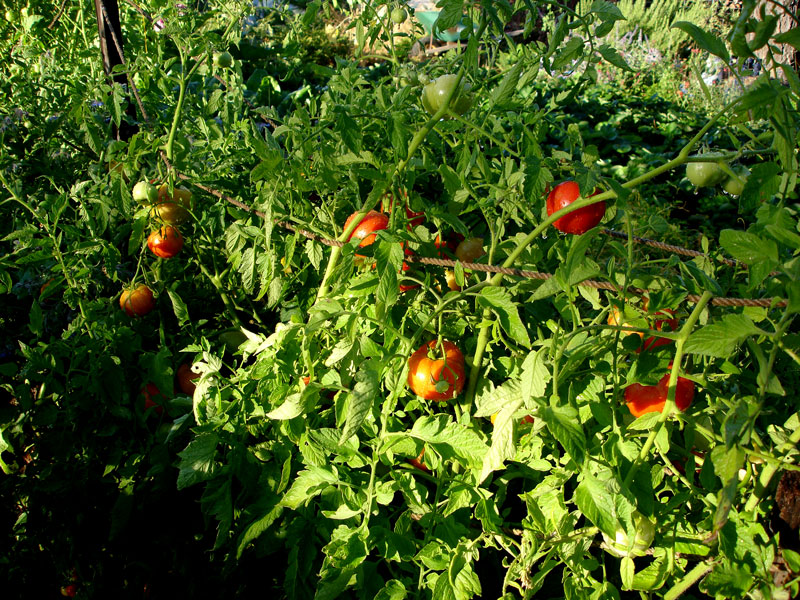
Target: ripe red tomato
{"points": [[417, 462], [642, 399], [185, 379], [370, 223], [414, 218], [433, 377], [138, 301], [452, 242], [165, 242], [579, 221], [663, 322], [151, 393]]}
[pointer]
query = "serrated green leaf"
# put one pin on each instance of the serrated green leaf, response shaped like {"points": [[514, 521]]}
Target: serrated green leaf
{"points": [[747, 247], [499, 301], [705, 40], [360, 400], [197, 460], [721, 338], [307, 484], [563, 423]]}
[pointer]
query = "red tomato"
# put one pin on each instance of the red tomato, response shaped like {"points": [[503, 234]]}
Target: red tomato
{"points": [[403, 286], [663, 322], [165, 242], [138, 301], [453, 240], [150, 393], [69, 591], [185, 379], [433, 377], [642, 399], [370, 223], [417, 462], [579, 221]]}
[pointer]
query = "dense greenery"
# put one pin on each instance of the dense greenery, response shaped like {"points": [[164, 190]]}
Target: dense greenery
{"points": [[298, 463]]}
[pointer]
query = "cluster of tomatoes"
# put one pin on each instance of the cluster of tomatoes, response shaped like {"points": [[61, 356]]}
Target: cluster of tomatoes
{"points": [[715, 172], [642, 399], [436, 370], [165, 242]]}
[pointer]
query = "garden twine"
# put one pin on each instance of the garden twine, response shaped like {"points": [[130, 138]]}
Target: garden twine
{"points": [[524, 273]]}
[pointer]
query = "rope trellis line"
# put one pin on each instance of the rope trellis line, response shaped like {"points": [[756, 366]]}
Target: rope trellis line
{"points": [[446, 262]]}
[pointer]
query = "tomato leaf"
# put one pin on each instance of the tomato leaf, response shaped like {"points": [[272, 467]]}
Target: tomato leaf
{"points": [[535, 375], [499, 301], [595, 502], [360, 400], [791, 37], [502, 448], [721, 338], [747, 247], [450, 14], [612, 56], [504, 93], [563, 423], [705, 40], [197, 460], [392, 590], [179, 307], [309, 483]]}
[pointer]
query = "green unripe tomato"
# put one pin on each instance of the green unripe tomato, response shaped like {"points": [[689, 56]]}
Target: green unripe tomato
{"points": [[434, 93], [223, 60], [621, 546], [145, 192], [9, 16], [704, 174], [735, 185], [399, 15], [232, 339]]}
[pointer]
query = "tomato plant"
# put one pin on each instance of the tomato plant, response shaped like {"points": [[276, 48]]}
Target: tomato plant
{"points": [[165, 242], [436, 372], [579, 221], [137, 301], [435, 92]]}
